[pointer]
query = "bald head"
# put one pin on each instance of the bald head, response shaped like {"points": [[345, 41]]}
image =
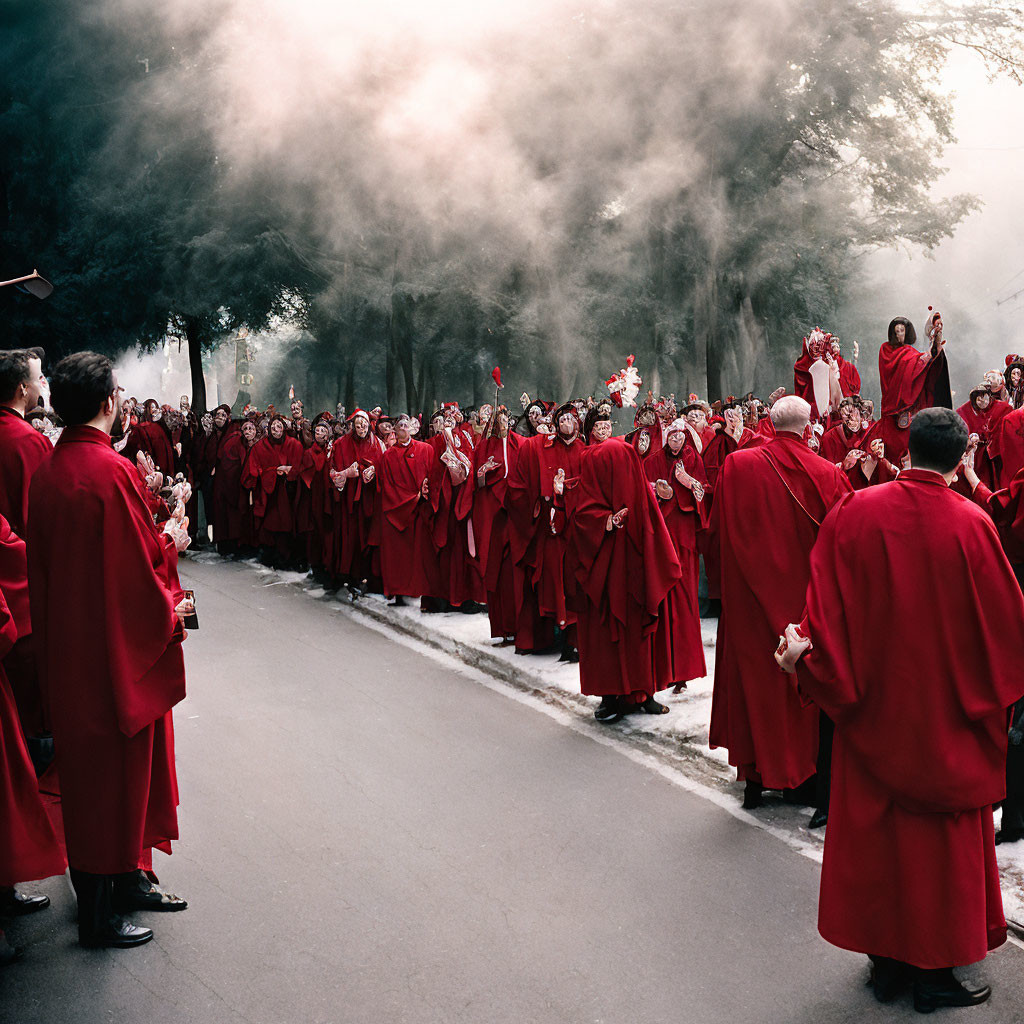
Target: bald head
{"points": [[791, 413]]}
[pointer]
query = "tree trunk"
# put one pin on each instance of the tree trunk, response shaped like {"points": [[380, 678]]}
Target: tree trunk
{"points": [[350, 387], [193, 336], [390, 381]]}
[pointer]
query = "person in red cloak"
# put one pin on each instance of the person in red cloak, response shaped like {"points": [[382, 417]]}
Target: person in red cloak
{"points": [[982, 413], [29, 849], [730, 436], [850, 446], [248, 544], [312, 511], [646, 435], [205, 451], [153, 437], [1008, 443], [493, 460], [624, 566], [225, 505], [909, 875], [678, 477], [911, 380], [271, 472], [1006, 507], [353, 468], [768, 507], [22, 449], [451, 498], [697, 416], [545, 466], [821, 346], [1013, 381], [111, 670], [407, 558]]}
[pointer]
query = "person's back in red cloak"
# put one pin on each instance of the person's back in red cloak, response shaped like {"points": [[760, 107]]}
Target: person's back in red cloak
{"points": [[768, 507], [918, 681]]}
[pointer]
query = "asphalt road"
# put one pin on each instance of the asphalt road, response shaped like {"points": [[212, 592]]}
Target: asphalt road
{"points": [[370, 835]]}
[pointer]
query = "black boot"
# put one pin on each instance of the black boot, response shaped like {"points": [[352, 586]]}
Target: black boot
{"points": [[888, 977], [135, 891], [935, 989], [752, 792], [819, 818], [98, 926], [609, 711]]}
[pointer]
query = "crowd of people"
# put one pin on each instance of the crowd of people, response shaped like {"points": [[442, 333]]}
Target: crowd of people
{"points": [[867, 635]]}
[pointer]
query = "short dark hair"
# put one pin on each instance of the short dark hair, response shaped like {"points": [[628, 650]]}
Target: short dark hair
{"points": [[81, 383], [14, 370], [938, 439]]}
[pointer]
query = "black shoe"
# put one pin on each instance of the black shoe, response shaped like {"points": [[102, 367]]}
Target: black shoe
{"points": [[609, 711], [1009, 835], [752, 793], [16, 904], [397, 602], [135, 891], [819, 818], [99, 927], [888, 977], [936, 989]]}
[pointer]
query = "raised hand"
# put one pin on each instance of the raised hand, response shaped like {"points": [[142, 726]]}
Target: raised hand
{"points": [[853, 457], [178, 532]]}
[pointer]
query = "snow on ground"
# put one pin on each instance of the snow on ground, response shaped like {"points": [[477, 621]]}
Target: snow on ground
{"points": [[672, 743]]}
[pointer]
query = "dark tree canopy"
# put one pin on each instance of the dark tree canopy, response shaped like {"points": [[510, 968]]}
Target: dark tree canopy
{"points": [[693, 183]]}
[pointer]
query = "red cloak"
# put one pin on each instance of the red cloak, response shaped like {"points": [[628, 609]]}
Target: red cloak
{"points": [[918, 685], [684, 518], [109, 648], [408, 561], [1008, 445], [459, 573], [768, 507], [491, 529], [227, 486], [273, 502], [312, 511], [714, 456], [357, 553], [910, 381], [29, 849], [985, 423], [623, 576], [22, 450], [152, 438], [538, 523]]}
